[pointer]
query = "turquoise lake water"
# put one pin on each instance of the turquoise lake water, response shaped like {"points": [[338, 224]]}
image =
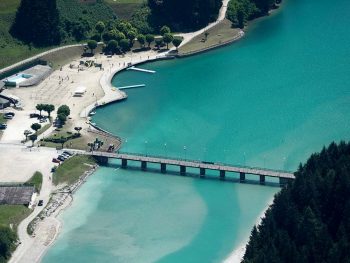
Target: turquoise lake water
{"points": [[269, 100]]}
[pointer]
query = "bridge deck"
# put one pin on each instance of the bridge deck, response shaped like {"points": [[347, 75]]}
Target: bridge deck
{"points": [[194, 164]]}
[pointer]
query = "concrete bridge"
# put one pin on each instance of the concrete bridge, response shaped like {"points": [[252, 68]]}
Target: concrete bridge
{"points": [[183, 164]]}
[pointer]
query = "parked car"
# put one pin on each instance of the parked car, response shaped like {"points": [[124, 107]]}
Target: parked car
{"points": [[67, 153], [54, 160], [61, 158], [41, 202], [8, 117], [3, 126], [42, 120], [64, 156], [34, 115], [10, 113]]}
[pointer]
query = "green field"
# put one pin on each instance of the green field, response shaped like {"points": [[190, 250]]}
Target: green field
{"points": [[71, 169], [218, 34], [36, 180], [13, 214]]}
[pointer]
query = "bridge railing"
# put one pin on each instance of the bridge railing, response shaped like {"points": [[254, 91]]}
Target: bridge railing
{"points": [[203, 162]]}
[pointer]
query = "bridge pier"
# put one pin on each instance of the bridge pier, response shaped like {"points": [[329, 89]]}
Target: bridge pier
{"points": [[143, 165], [241, 177], [102, 160], [182, 170], [163, 168], [262, 179], [222, 175], [124, 163], [202, 172]]}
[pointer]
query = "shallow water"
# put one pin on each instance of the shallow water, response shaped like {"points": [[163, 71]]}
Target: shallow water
{"points": [[269, 100]]}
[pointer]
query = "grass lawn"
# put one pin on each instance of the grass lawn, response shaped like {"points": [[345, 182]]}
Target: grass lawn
{"points": [[71, 169], [218, 34], [2, 120], [44, 128], [36, 180], [124, 9], [13, 214]]}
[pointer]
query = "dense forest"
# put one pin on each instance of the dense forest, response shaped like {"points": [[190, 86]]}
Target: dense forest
{"points": [[309, 220], [7, 243], [184, 15], [52, 22], [37, 22], [240, 11]]}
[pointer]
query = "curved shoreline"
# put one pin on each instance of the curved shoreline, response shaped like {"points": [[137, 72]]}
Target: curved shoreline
{"points": [[113, 94]]}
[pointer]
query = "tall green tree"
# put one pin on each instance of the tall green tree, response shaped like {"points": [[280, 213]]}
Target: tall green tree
{"points": [[149, 39], [49, 108], [159, 42], [36, 127], [168, 38], [141, 39], [124, 45], [40, 107], [100, 27], [177, 42], [37, 22], [113, 46], [64, 109], [165, 30], [92, 44], [131, 36]]}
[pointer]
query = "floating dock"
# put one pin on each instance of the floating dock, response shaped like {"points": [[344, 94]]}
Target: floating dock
{"points": [[132, 86], [141, 69]]}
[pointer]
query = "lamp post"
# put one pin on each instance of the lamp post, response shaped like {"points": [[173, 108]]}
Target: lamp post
{"points": [[126, 145], [146, 147], [165, 153], [185, 151]]}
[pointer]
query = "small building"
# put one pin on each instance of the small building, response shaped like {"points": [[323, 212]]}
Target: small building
{"points": [[79, 91], [16, 195]]}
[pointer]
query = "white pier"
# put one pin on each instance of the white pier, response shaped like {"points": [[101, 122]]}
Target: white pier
{"points": [[141, 69], [132, 86]]}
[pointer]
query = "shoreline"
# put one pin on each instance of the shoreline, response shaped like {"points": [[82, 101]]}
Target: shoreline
{"points": [[113, 94], [237, 254], [60, 208]]}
